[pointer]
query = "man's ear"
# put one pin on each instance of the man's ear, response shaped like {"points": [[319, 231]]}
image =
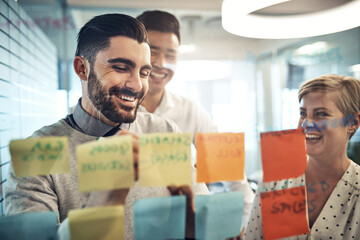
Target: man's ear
{"points": [[81, 67]]}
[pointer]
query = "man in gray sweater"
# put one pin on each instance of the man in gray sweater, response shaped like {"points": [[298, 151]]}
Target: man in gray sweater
{"points": [[113, 62]]}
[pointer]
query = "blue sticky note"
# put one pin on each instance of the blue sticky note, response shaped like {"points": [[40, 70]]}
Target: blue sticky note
{"points": [[218, 216], [29, 226], [160, 218]]}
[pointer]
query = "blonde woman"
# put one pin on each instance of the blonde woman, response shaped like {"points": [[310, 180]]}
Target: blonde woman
{"points": [[329, 117]]}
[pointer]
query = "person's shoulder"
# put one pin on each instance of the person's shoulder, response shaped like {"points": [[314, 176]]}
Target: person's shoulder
{"points": [[148, 123], [190, 105], [178, 99], [352, 174], [60, 128]]}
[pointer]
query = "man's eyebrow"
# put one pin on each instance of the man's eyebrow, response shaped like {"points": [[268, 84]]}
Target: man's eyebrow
{"points": [[158, 48], [122, 60], [154, 47], [147, 66]]}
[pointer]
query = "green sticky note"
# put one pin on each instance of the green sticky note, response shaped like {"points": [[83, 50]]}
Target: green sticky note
{"points": [[218, 216], [165, 159], [40, 156], [29, 226], [106, 164]]}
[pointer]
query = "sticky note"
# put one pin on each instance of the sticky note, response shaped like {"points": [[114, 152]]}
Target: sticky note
{"points": [[106, 164], [283, 154], [40, 156], [160, 218], [106, 223], [284, 213], [165, 159], [29, 226], [220, 157], [218, 216]]}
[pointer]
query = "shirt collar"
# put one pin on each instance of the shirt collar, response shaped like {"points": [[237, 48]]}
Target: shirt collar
{"points": [[89, 124], [166, 103]]}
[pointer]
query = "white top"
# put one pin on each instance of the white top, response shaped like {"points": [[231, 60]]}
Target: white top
{"points": [[192, 118], [339, 218]]}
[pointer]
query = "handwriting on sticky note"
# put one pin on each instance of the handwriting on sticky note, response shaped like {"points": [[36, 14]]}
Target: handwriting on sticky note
{"points": [[40, 156], [104, 223], [284, 213], [220, 156], [165, 159], [283, 150], [109, 159]]}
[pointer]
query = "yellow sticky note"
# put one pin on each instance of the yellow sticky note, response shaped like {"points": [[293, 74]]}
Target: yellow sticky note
{"points": [[106, 164], [220, 157], [106, 223], [165, 159], [40, 156]]}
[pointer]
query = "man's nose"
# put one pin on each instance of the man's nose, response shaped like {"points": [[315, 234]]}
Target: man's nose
{"points": [[134, 82], [158, 61]]}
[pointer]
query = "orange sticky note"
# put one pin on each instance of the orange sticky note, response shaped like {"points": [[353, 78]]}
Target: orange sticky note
{"points": [[284, 213], [283, 154], [220, 156]]}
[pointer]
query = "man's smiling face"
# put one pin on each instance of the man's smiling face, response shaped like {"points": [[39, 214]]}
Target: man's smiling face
{"points": [[164, 49], [118, 79]]}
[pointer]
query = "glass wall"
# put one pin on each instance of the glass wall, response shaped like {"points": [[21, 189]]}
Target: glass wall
{"points": [[246, 85], [28, 80]]}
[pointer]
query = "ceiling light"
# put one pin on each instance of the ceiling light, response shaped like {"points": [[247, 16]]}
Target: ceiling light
{"points": [[311, 48], [245, 18]]}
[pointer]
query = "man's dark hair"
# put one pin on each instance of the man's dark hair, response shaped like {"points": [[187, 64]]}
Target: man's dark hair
{"points": [[95, 35], [160, 21]]}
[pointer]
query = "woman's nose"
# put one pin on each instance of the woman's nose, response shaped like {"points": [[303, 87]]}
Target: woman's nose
{"points": [[309, 125]]}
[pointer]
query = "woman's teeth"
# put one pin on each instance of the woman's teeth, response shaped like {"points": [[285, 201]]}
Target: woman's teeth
{"points": [[312, 136]]}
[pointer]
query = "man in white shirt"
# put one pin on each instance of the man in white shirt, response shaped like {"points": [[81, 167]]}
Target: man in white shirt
{"points": [[164, 37]]}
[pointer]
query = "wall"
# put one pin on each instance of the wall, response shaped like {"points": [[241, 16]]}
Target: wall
{"points": [[28, 80]]}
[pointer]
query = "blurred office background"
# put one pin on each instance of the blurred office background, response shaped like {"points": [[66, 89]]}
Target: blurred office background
{"points": [[246, 84]]}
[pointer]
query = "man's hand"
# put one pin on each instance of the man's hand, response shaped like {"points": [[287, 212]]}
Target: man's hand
{"points": [[190, 207], [116, 197]]}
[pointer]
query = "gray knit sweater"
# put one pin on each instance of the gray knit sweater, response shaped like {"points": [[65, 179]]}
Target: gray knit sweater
{"points": [[60, 192]]}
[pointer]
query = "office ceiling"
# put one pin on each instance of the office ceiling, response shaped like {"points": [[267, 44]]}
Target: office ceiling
{"points": [[200, 22], [212, 5]]}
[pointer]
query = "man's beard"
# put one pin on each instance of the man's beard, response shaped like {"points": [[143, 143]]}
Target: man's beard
{"points": [[104, 103]]}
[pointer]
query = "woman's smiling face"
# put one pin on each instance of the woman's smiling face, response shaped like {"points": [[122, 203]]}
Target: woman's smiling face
{"points": [[318, 108]]}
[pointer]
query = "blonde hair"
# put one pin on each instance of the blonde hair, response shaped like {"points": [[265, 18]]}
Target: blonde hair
{"points": [[345, 91]]}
